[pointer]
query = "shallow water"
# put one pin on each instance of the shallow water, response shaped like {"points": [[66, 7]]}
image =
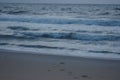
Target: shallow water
{"points": [[76, 30]]}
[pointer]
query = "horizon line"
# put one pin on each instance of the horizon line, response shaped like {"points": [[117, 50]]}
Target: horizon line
{"points": [[62, 3]]}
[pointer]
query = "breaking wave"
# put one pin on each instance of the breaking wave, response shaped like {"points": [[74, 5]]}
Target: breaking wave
{"points": [[61, 35]]}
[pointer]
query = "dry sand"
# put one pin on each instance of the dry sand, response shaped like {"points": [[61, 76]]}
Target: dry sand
{"points": [[24, 66]]}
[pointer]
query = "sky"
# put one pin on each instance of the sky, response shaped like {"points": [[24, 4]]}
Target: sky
{"points": [[65, 1]]}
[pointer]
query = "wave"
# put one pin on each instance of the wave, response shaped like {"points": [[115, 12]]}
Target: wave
{"points": [[4, 44], [60, 35], [17, 12], [17, 28], [104, 13], [38, 46], [44, 46], [108, 52], [116, 8], [59, 48], [62, 21]]}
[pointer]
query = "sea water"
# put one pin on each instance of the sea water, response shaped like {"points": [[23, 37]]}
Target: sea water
{"points": [[82, 30]]}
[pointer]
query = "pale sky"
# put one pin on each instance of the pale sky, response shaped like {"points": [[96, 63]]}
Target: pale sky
{"points": [[65, 1]]}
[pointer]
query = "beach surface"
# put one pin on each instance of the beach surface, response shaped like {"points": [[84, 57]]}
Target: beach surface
{"points": [[16, 65]]}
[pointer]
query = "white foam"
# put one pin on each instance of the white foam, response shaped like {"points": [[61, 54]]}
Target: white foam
{"points": [[65, 53]]}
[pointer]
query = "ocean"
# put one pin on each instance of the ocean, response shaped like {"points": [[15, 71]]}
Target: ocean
{"points": [[82, 30]]}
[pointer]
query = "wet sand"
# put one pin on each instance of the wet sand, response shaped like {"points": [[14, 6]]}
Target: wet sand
{"points": [[16, 65]]}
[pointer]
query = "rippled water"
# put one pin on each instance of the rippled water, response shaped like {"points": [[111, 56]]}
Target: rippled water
{"points": [[75, 30]]}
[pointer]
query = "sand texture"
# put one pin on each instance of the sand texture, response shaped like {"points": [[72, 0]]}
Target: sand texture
{"points": [[26, 66]]}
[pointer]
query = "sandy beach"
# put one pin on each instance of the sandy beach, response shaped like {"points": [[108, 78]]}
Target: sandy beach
{"points": [[26, 66]]}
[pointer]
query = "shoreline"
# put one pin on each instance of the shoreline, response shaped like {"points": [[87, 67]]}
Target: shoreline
{"points": [[22, 65], [57, 55]]}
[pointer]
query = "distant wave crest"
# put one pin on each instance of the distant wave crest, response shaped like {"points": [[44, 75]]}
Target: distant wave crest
{"points": [[62, 21]]}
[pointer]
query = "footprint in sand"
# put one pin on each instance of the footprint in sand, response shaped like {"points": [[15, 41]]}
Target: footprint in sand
{"points": [[70, 73], [49, 70], [58, 66], [75, 76], [62, 63], [61, 69], [84, 76]]}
